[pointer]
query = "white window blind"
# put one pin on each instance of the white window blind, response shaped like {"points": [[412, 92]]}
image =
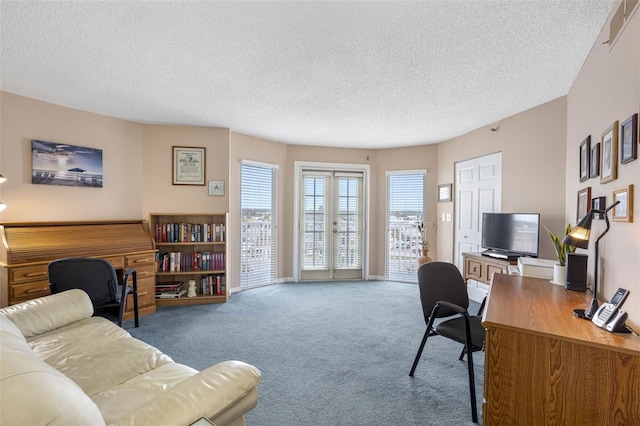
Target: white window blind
{"points": [[405, 210], [258, 225]]}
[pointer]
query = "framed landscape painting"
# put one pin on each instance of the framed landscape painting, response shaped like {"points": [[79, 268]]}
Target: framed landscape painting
{"points": [[65, 165]]}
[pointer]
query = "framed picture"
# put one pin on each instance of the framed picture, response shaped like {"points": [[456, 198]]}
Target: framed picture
{"points": [[444, 192], [65, 165], [584, 203], [629, 140], [594, 163], [623, 212], [216, 187], [585, 155], [188, 165], [598, 203], [609, 160]]}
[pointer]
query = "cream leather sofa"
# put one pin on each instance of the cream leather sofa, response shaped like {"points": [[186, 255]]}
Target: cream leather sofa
{"points": [[61, 366]]}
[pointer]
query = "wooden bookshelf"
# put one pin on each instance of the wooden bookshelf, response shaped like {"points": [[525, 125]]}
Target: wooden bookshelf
{"points": [[198, 245]]}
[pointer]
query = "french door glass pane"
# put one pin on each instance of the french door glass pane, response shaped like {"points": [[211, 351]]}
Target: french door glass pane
{"points": [[258, 231], [405, 210], [316, 243], [349, 229]]}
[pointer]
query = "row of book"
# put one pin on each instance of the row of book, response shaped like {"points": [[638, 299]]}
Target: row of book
{"points": [[189, 232], [213, 284], [176, 261]]}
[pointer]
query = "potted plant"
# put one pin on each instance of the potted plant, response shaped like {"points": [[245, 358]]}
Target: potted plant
{"points": [[559, 269], [426, 231]]}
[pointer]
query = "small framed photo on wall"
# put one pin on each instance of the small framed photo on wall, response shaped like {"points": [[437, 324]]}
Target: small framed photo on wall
{"points": [[609, 161], [598, 203], [585, 155], [594, 167], [583, 202], [623, 212], [629, 140], [444, 192]]}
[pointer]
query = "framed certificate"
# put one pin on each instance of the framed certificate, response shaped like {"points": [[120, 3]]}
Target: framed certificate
{"points": [[188, 165]]}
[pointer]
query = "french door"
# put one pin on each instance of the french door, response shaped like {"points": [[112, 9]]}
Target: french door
{"points": [[332, 218]]}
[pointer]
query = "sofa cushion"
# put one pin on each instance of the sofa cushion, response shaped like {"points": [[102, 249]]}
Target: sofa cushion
{"points": [[96, 354], [120, 400], [53, 311], [26, 382]]}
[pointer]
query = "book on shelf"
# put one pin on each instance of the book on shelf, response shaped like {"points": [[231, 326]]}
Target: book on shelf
{"points": [[169, 286], [195, 261], [171, 295], [189, 232], [213, 284]]}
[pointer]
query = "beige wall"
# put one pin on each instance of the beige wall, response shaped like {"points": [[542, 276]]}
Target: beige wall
{"points": [[160, 195], [608, 89], [533, 161], [24, 119], [243, 147]]}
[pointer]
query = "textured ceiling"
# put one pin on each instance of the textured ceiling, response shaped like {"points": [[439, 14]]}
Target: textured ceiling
{"points": [[353, 74]]}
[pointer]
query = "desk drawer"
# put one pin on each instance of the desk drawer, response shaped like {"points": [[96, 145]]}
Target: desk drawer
{"points": [[135, 260], [474, 270], [21, 292], [146, 271], [29, 273]]}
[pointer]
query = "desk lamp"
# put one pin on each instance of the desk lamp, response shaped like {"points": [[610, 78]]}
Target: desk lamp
{"points": [[579, 237]]}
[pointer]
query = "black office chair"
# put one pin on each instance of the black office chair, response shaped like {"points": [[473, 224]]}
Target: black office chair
{"points": [[443, 293], [99, 280]]}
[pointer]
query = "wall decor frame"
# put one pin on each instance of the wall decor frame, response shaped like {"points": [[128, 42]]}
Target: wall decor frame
{"points": [[598, 203], [189, 166], [585, 156], [216, 187], [61, 164], [629, 139], [583, 203], [444, 192], [623, 212], [594, 163], [609, 154]]}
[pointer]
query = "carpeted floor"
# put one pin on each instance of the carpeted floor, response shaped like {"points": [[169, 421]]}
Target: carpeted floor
{"points": [[330, 353]]}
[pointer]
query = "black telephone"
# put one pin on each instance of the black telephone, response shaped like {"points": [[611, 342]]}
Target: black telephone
{"points": [[609, 316]]}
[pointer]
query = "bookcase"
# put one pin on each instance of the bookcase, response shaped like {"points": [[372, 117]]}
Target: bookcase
{"points": [[190, 247]]}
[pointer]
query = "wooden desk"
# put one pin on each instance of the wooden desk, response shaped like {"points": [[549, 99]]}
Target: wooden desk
{"points": [[27, 248], [543, 366]]}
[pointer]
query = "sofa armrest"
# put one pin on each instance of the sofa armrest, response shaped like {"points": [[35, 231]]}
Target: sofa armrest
{"points": [[212, 393], [47, 313]]}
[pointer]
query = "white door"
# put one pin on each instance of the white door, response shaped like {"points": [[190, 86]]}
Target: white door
{"points": [[478, 190], [332, 236]]}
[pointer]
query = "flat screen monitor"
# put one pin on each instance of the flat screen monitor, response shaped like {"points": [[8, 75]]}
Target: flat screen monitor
{"points": [[510, 235]]}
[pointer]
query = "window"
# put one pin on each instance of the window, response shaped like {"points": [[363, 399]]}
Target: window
{"points": [[405, 210], [258, 225]]}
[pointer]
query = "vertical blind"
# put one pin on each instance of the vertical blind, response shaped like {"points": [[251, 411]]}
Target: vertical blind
{"points": [[405, 210], [258, 225]]}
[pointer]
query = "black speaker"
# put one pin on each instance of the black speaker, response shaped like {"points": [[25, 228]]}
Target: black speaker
{"points": [[576, 272]]}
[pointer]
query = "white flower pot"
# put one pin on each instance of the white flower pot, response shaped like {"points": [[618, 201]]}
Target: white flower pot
{"points": [[559, 274]]}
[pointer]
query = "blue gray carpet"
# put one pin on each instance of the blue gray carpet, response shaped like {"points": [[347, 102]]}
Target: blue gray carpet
{"points": [[330, 353]]}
